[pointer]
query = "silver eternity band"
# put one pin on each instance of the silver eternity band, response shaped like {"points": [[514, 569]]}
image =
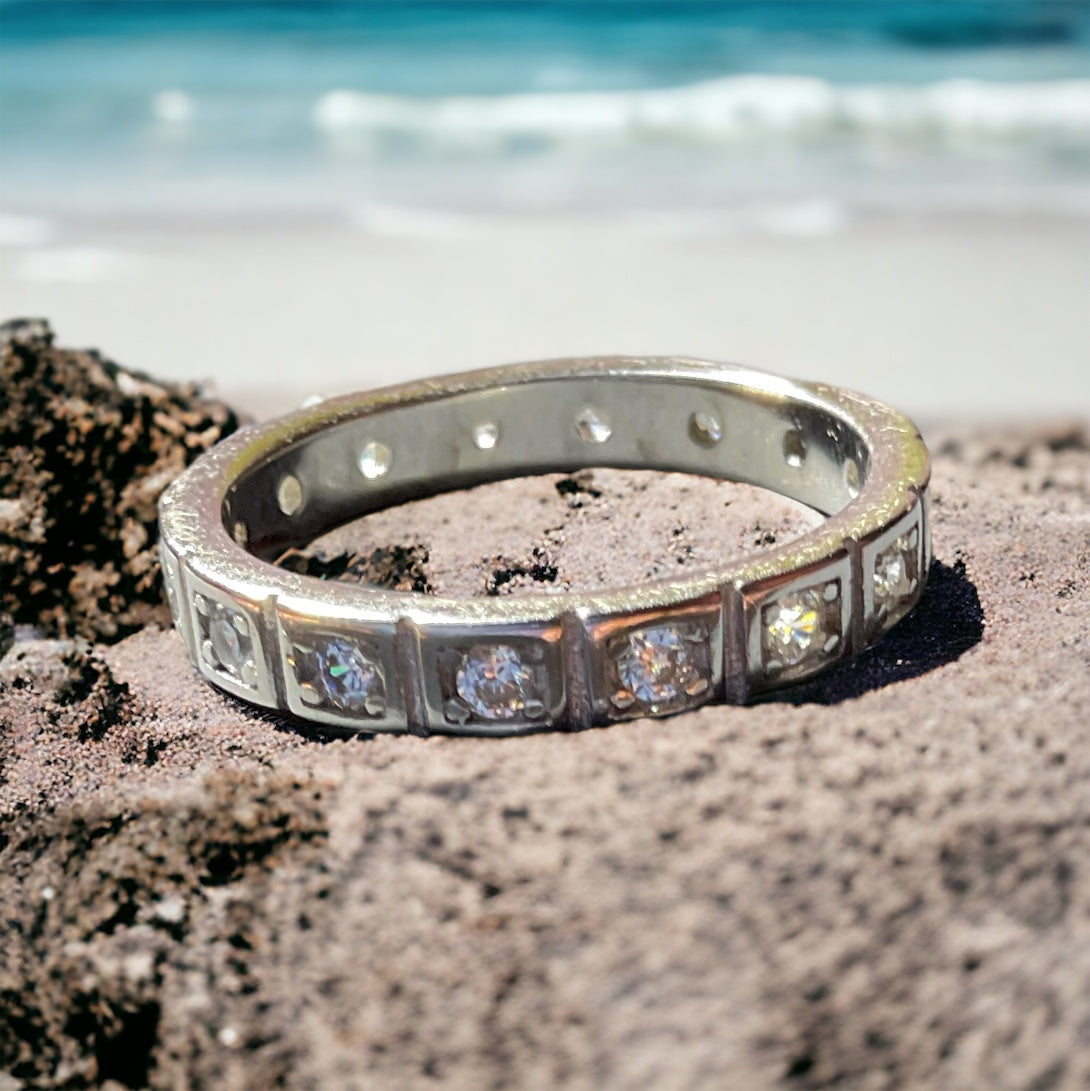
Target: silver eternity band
{"points": [[366, 659]]}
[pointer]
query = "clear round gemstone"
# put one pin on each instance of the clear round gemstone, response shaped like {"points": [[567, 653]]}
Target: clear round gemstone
{"points": [[494, 682], [289, 494], [486, 435], [346, 677], [226, 643], [656, 666], [375, 458], [794, 625], [705, 429], [593, 425], [794, 448], [891, 579]]}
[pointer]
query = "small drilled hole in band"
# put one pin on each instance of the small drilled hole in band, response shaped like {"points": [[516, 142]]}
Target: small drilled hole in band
{"points": [[593, 425], [486, 436], [289, 494], [794, 448], [705, 429], [375, 460], [852, 477]]}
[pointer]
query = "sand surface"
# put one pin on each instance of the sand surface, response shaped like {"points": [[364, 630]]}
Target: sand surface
{"points": [[877, 880]]}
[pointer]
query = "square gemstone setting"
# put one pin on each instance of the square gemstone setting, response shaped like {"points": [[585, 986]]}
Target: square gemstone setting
{"points": [[656, 664], [498, 680], [226, 642], [893, 566], [342, 676], [796, 627], [801, 628]]}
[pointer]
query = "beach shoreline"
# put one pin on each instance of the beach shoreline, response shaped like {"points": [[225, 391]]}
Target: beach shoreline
{"points": [[942, 314]]}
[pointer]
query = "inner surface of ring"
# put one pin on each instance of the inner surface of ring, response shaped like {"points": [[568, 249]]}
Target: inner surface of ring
{"points": [[395, 453]]}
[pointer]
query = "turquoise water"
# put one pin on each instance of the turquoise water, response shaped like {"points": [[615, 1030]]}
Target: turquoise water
{"points": [[541, 104]]}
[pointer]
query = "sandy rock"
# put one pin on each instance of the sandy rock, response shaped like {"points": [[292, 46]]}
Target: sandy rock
{"points": [[877, 880], [86, 447]]}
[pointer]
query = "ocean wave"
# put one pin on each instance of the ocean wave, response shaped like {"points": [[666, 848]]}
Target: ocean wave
{"points": [[813, 217], [731, 109]]}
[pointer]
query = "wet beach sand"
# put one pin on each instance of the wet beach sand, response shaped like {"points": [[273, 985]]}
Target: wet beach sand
{"points": [[958, 310]]}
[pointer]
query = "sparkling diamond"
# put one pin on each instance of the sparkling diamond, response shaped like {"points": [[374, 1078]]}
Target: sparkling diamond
{"points": [[347, 678], [891, 576], [794, 625], [289, 495], [495, 684], [486, 435], [374, 460], [705, 429], [660, 667], [225, 640], [593, 425], [794, 448]]}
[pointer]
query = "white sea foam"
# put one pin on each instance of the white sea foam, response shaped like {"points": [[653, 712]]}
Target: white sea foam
{"points": [[815, 218], [173, 107], [20, 230], [402, 222], [73, 264], [725, 110]]}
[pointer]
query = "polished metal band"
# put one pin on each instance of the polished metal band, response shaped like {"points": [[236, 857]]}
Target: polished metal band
{"points": [[366, 659]]}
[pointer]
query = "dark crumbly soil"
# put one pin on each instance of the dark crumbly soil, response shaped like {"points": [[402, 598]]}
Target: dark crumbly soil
{"points": [[86, 447], [881, 880]]}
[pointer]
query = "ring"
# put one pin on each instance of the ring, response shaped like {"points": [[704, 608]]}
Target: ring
{"points": [[366, 659]]}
